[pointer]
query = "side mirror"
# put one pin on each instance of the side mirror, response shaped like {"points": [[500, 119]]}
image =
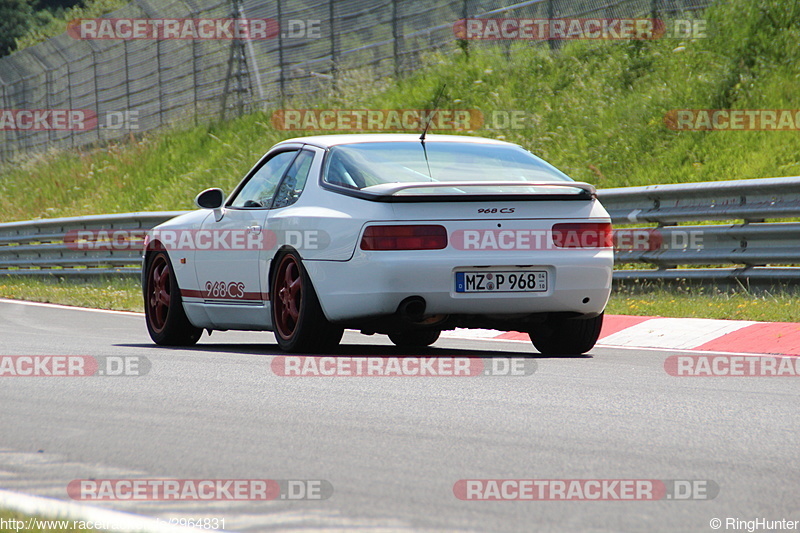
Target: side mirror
{"points": [[211, 199]]}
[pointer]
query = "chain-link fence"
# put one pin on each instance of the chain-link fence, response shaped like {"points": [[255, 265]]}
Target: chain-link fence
{"points": [[134, 85]]}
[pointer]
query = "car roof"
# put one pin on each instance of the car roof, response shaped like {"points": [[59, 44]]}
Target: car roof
{"points": [[327, 141]]}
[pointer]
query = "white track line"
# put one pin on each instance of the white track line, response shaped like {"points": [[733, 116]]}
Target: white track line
{"points": [[70, 307], [51, 509]]}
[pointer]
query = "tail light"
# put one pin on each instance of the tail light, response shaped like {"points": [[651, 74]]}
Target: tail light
{"points": [[416, 237], [583, 235]]}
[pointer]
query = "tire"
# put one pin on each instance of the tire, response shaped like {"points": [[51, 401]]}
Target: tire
{"points": [[297, 318], [568, 336], [163, 307], [415, 338]]}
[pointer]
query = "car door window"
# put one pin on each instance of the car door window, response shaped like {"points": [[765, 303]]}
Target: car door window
{"points": [[295, 180], [260, 188]]}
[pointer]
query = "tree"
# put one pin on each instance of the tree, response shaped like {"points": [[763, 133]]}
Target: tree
{"points": [[54, 5], [15, 20]]}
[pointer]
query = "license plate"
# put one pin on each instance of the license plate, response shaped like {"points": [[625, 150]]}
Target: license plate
{"points": [[502, 281]]}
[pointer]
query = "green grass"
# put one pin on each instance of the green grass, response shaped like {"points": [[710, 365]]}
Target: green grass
{"points": [[698, 302], [117, 294], [595, 109], [38, 526]]}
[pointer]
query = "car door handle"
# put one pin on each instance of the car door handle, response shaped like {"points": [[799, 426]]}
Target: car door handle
{"points": [[255, 229]]}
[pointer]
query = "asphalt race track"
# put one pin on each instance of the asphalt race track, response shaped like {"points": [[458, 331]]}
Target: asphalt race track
{"points": [[393, 447]]}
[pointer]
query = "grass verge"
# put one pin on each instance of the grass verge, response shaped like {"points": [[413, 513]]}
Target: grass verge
{"points": [[680, 301], [117, 294], [781, 305]]}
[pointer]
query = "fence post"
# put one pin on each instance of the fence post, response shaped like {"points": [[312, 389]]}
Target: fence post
{"points": [[3, 105], [69, 90], [195, 82], [96, 89], [48, 83], [160, 85], [281, 78], [13, 98], [251, 65], [25, 136], [127, 78], [239, 69], [334, 58], [395, 39]]}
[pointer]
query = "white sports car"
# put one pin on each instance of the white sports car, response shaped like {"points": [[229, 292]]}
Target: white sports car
{"points": [[389, 234]]}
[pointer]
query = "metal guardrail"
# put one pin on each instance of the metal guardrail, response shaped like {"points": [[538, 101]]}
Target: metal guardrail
{"points": [[48, 246], [753, 247], [756, 250], [752, 200]]}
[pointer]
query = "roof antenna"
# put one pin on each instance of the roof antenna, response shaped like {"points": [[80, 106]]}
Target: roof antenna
{"points": [[427, 124], [430, 119]]}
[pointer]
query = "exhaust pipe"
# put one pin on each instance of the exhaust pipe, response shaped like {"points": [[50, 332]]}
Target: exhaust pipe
{"points": [[412, 308]]}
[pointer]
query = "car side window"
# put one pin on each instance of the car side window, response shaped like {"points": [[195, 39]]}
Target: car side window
{"points": [[295, 180], [338, 172], [260, 188]]}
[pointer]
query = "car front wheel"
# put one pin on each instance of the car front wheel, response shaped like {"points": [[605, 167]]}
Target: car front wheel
{"points": [[298, 321], [567, 336]]}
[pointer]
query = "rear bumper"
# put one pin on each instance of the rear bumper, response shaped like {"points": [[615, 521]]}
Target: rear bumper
{"points": [[373, 284]]}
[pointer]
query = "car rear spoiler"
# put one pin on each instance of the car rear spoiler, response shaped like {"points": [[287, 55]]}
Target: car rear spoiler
{"points": [[394, 188], [389, 192]]}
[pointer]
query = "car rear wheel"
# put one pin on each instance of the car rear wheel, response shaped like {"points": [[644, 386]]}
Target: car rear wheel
{"points": [[166, 320], [297, 317], [568, 336], [415, 339]]}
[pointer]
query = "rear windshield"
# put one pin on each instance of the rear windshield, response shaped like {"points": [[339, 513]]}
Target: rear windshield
{"points": [[357, 166]]}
